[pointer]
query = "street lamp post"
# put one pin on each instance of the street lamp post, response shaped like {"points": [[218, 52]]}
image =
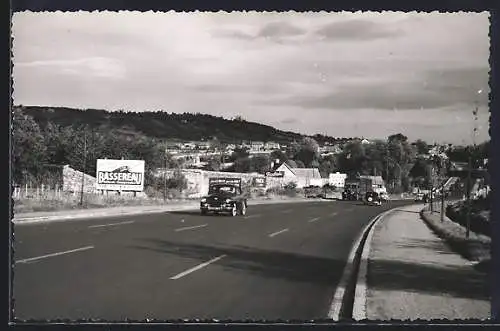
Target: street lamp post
{"points": [[469, 172]]}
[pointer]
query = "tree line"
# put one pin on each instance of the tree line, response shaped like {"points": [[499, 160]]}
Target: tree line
{"points": [[39, 147]]}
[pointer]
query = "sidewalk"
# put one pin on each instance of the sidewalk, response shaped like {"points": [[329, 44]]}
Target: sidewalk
{"points": [[412, 274], [126, 210]]}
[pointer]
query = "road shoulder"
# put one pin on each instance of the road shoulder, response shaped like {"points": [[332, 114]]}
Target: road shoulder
{"points": [[412, 274]]}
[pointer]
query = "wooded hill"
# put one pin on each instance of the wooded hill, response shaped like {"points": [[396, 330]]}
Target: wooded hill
{"points": [[166, 126]]}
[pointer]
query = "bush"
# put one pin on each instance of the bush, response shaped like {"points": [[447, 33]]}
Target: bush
{"points": [[479, 223], [290, 189]]}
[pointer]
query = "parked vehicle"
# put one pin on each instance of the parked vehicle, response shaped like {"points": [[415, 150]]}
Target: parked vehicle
{"points": [[373, 199], [224, 196]]}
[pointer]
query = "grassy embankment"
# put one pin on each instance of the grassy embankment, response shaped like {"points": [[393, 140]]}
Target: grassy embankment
{"points": [[475, 248]]}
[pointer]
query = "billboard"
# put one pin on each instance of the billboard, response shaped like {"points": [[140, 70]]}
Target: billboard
{"points": [[120, 175], [275, 174]]}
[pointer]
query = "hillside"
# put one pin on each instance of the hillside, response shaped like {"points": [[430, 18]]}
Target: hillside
{"points": [[163, 125]]}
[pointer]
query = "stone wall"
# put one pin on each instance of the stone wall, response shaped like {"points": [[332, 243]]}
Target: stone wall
{"points": [[197, 180], [72, 181]]}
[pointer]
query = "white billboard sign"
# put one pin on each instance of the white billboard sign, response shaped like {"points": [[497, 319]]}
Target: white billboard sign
{"points": [[120, 175]]}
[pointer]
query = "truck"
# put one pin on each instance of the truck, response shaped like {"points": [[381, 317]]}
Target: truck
{"points": [[372, 184]]}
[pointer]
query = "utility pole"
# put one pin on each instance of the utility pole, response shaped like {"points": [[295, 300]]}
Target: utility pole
{"points": [[442, 190], [469, 172], [84, 163], [165, 180], [432, 188]]}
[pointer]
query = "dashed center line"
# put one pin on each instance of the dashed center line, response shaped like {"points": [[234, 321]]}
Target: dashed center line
{"points": [[313, 220], [54, 254], [277, 233], [190, 227], [252, 216], [198, 267], [110, 224], [333, 214]]}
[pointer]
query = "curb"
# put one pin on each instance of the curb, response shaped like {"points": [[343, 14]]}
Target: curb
{"points": [[350, 269], [45, 219], [359, 305], [363, 242]]}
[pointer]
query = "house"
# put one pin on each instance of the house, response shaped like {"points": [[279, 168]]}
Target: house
{"points": [[337, 179], [257, 146], [203, 145], [271, 145], [301, 176]]}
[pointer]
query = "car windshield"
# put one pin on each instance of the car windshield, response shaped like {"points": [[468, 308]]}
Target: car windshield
{"points": [[223, 189]]}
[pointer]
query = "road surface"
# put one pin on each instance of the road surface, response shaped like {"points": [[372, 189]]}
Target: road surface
{"points": [[280, 261]]}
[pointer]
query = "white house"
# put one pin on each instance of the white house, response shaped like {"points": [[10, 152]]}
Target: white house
{"points": [[257, 145], [301, 176], [271, 145]]}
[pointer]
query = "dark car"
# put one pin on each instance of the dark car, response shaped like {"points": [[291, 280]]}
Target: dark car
{"points": [[224, 197], [373, 198], [350, 195]]}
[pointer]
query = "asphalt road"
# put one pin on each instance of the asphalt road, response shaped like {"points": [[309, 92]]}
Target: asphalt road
{"points": [[280, 261]]}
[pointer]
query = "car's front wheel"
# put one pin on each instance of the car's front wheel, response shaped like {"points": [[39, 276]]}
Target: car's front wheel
{"points": [[234, 210]]}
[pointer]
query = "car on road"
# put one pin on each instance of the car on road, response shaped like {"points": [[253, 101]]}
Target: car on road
{"points": [[224, 196], [373, 199]]}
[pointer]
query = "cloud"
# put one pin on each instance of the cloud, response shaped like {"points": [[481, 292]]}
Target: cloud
{"points": [[268, 67], [357, 30], [94, 66], [447, 88], [276, 31], [280, 29]]}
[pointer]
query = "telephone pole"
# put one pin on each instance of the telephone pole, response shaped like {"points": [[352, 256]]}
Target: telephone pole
{"points": [[84, 163]]}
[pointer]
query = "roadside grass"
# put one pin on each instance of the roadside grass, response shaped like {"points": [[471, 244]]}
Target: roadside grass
{"points": [[476, 248]]}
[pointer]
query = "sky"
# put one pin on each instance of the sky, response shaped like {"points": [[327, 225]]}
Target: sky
{"points": [[364, 74]]}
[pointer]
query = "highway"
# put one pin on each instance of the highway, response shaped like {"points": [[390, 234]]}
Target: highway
{"points": [[280, 261]]}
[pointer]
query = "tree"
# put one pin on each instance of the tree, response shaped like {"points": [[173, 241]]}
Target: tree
{"points": [[239, 153], [308, 151], [422, 147], [29, 149], [260, 164]]}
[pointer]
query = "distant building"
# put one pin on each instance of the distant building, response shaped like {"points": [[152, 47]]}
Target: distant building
{"points": [[301, 176], [271, 145], [337, 179], [257, 146]]}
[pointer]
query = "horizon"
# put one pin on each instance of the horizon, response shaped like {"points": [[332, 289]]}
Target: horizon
{"points": [[337, 74]]}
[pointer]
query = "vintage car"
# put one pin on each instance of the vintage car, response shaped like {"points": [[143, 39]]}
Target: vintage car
{"points": [[373, 199], [350, 195], [224, 196]]}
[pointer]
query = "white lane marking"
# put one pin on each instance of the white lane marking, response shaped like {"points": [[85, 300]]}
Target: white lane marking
{"points": [[333, 214], [349, 209], [190, 227], [277, 233], [198, 267], [313, 220], [252, 216], [110, 224], [54, 254]]}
